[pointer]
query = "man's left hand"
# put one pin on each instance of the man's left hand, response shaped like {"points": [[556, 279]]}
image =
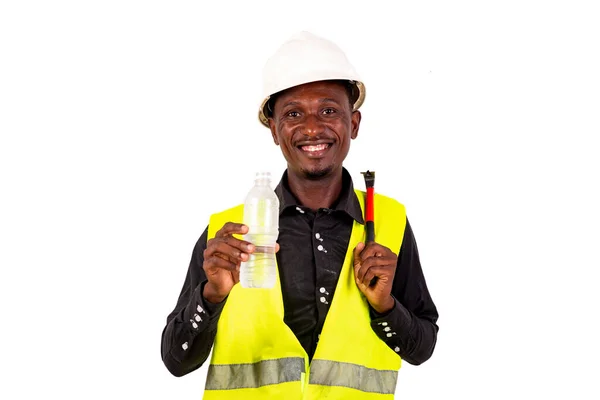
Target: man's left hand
{"points": [[374, 269]]}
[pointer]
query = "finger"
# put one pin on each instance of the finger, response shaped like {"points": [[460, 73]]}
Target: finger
{"points": [[236, 247], [368, 276], [230, 228], [234, 261], [376, 274], [362, 271], [277, 247], [222, 247], [223, 250], [219, 263], [375, 249], [357, 265], [236, 276], [357, 250], [375, 261], [241, 245], [370, 263]]}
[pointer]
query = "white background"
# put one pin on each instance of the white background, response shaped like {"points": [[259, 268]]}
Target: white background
{"points": [[124, 124]]}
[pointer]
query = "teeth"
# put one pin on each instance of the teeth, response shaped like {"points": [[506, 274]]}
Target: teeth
{"points": [[317, 147]]}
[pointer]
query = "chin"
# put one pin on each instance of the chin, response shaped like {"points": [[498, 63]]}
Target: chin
{"points": [[317, 173]]}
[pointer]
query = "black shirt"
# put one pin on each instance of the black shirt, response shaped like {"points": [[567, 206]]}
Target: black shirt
{"points": [[313, 246]]}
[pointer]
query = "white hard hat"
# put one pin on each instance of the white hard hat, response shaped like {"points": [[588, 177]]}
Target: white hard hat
{"points": [[307, 58]]}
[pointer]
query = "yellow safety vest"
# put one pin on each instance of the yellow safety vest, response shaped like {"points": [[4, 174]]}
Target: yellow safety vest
{"points": [[257, 356]]}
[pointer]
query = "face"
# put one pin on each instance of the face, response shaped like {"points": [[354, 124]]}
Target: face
{"points": [[313, 124]]}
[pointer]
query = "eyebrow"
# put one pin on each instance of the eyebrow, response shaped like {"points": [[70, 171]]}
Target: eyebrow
{"points": [[290, 103], [295, 103], [325, 100]]}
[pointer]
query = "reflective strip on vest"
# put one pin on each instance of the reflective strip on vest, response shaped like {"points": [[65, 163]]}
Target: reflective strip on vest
{"points": [[332, 373], [262, 373]]}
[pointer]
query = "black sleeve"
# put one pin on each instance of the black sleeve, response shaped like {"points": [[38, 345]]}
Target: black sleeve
{"points": [[410, 328], [191, 328]]}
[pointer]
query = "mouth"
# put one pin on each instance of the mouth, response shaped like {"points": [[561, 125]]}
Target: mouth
{"points": [[315, 150]]}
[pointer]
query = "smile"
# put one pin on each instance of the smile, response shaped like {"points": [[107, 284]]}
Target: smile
{"points": [[316, 147], [315, 150]]}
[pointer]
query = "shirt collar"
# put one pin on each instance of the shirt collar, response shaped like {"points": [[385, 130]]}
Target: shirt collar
{"points": [[347, 202]]}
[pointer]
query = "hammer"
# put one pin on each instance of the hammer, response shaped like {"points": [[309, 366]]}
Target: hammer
{"points": [[369, 214]]}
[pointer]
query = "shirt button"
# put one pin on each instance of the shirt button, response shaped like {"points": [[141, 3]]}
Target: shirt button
{"points": [[396, 349], [384, 323], [322, 290], [184, 346], [389, 335], [320, 247], [323, 299], [318, 235], [387, 329]]}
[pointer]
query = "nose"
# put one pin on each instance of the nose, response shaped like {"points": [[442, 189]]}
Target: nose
{"points": [[313, 126]]}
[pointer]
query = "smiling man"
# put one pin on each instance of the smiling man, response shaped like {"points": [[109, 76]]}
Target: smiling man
{"points": [[342, 314]]}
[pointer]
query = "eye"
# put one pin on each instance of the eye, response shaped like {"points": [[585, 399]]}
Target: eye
{"points": [[292, 114], [329, 110]]}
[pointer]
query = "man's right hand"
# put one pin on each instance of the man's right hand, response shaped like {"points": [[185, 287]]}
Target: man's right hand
{"points": [[222, 259]]}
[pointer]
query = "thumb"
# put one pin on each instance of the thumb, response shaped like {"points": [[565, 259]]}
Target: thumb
{"points": [[357, 250]]}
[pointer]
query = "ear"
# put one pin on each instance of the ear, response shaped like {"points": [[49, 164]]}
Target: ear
{"points": [[356, 117], [273, 131]]}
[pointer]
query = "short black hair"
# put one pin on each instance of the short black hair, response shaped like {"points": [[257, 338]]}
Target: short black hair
{"points": [[351, 90]]}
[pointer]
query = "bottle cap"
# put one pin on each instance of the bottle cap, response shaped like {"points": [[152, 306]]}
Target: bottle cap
{"points": [[263, 175]]}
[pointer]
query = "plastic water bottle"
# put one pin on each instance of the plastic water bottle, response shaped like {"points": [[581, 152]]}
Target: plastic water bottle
{"points": [[261, 215]]}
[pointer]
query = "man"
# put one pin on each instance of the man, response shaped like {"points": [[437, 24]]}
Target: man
{"points": [[342, 314]]}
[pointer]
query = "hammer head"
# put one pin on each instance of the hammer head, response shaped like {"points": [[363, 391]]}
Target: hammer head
{"points": [[369, 178]]}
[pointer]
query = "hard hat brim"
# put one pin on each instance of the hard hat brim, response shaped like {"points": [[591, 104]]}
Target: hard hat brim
{"points": [[262, 112]]}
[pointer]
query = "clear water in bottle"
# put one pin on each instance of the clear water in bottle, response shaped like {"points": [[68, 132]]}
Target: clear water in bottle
{"points": [[261, 215]]}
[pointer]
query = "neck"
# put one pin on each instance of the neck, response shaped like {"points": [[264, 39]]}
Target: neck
{"points": [[315, 194]]}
